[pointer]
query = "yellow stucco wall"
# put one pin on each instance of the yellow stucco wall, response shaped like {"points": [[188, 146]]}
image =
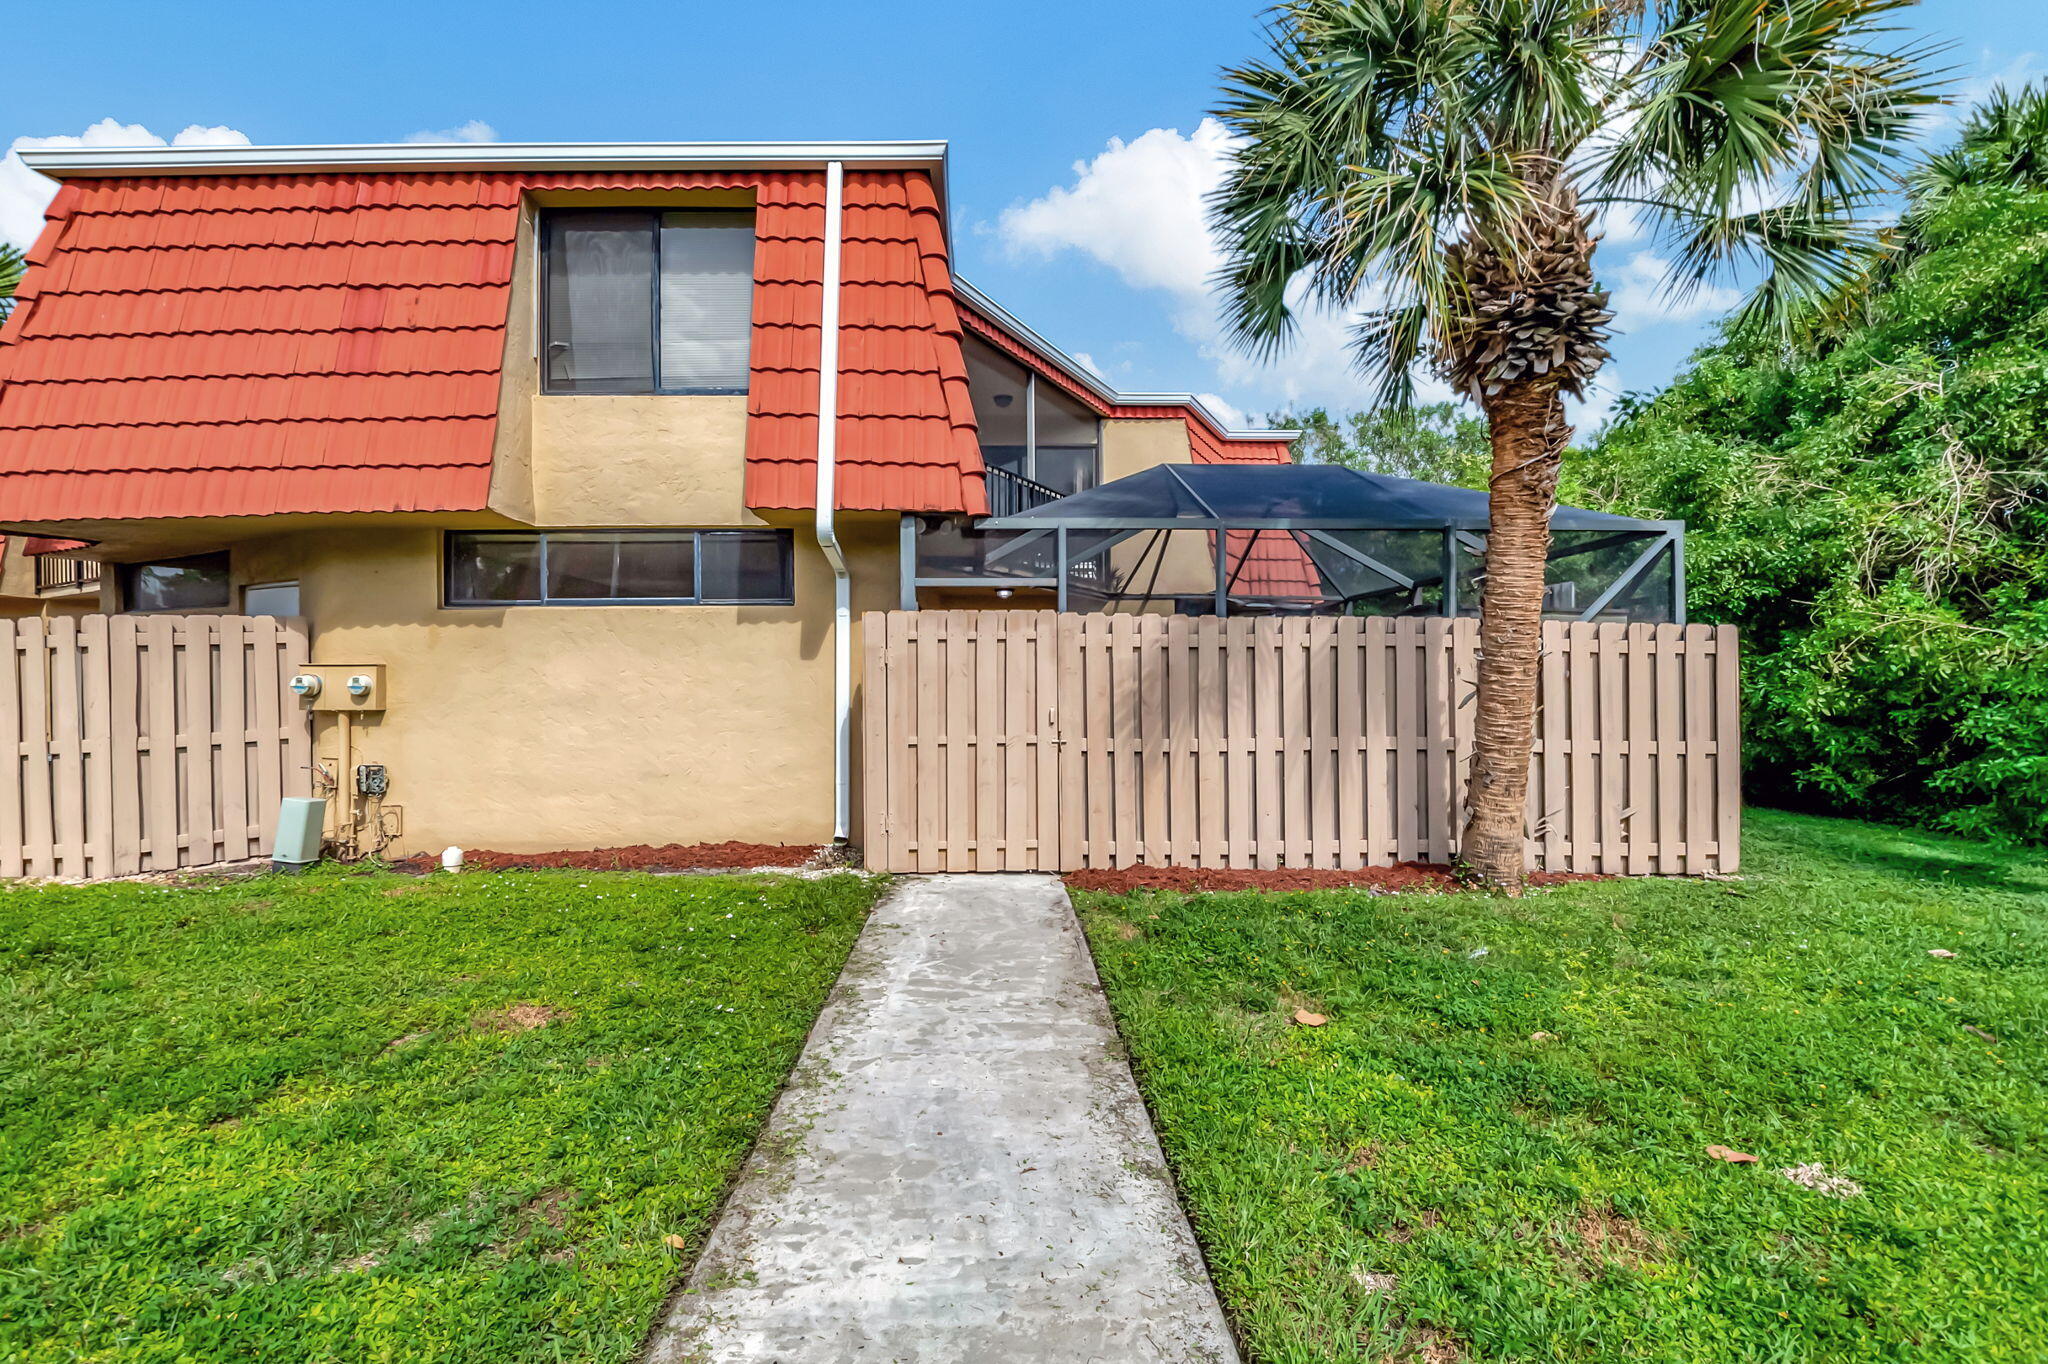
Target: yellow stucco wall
{"points": [[532, 728], [1132, 445], [661, 460]]}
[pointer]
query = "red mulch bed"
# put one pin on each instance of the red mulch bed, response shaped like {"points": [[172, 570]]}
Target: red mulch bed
{"points": [[638, 857], [1403, 876]]}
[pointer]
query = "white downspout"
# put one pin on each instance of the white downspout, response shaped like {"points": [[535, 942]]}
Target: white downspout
{"points": [[828, 502]]}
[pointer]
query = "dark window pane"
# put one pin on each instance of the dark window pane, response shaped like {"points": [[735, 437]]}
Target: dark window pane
{"points": [[600, 302], [747, 565], [1009, 458], [582, 566], [707, 301], [658, 566], [1067, 468], [1063, 421], [493, 568], [197, 584], [998, 387]]}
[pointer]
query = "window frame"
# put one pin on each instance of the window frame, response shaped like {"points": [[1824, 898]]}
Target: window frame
{"points": [[784, 538], [982, 353], [544, 271], [124, 575]]}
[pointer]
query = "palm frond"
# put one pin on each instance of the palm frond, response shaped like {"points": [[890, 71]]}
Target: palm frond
{"points": [[12, 267]]}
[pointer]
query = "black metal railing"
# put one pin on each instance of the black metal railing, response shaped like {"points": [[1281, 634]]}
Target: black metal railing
{"points": [[1010, 493], [62, 573]]}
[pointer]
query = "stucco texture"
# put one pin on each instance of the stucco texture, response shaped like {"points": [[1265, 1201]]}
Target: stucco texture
{"points": [[537, 728], [1131, 446]]}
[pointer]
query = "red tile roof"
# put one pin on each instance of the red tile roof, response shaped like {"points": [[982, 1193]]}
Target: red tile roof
{"points": [[906, 426], [244, 345], [1273, 565]]}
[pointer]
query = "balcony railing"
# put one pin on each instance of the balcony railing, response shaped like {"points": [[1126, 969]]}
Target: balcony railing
{"points": [[1010, 493], [62, 573]]}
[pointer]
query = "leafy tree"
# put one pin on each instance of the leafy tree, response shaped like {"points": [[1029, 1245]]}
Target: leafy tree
{"points": [[1435, 163], [1435, 442], [11, 267], [1872, 506]]}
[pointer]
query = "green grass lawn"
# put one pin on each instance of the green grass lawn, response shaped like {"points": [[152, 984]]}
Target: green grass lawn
{"points": [[374, 1117], [1424, 1177]]}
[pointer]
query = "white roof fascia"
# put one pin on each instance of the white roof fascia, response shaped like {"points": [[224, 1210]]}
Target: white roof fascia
{"points": [[64, 162], [1094, 382]]}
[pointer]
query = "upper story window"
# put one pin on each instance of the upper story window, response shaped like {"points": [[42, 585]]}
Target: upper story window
{"points": [[646, 301], [1030, 430]]}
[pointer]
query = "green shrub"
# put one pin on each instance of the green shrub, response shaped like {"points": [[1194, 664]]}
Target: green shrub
{"points": [[1869, 505]]}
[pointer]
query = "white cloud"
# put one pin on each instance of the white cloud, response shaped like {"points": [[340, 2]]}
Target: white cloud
{"points": [[1087, 362], [1642, 295], [1140, 209], [1137, 208], [1225, 411], [1588, 414], [476, 130], [24, 194]]}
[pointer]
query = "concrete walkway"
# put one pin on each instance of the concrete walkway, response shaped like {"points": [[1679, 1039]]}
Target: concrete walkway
{"points": [[961, 1168]]}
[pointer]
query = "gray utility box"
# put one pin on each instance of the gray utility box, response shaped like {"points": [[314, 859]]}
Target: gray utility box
{"points": [[300, 820]]}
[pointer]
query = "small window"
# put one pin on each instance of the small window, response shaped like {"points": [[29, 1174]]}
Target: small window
{"points": [[595, 568], [638, 301], [270, 599], [199, 583]]}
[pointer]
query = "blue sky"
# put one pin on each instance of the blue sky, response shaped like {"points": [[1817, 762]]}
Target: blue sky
{"points": [[1079, 151]]}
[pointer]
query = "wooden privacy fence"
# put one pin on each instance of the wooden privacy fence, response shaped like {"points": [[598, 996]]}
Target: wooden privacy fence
{"points": [[1021, 740], [142, 743]]}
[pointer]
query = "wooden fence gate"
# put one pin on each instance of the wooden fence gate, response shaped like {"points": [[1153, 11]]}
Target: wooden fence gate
{"points": [[1026, 740], [147, 742]]}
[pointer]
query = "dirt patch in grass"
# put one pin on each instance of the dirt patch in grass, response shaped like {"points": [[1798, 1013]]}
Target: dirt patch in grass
{"points": [[549, 1209], [1428, 1345], [1401, 1233], [520, 1018], [1403, 876], [635, 857], [1605, 1234]]}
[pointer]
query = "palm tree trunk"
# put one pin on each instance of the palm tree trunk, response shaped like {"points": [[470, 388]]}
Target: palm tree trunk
{"points": [[1529, 433]]}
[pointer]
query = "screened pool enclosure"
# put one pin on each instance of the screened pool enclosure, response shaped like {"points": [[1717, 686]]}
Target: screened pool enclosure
{"points": [[1222, 539]]}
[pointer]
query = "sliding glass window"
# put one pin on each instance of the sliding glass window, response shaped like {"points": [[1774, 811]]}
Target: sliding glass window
{"points": [[599, 568], [640, 301]]}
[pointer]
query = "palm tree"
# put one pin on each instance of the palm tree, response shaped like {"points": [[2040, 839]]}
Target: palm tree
{"points": [[11, 267], [1436, 165]]}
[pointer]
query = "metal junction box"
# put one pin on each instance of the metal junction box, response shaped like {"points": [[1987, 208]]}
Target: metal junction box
{"points": [[337, 679]]}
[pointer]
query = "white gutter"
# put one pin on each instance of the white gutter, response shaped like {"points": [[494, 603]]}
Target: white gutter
{"points": [[828, 502]]}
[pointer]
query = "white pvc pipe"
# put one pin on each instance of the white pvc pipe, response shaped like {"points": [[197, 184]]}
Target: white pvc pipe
{"points": [[828, 502]]}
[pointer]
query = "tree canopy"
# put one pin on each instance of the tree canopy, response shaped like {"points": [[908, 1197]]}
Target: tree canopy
{"points": [[1871, 504], [1435, 442]]}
